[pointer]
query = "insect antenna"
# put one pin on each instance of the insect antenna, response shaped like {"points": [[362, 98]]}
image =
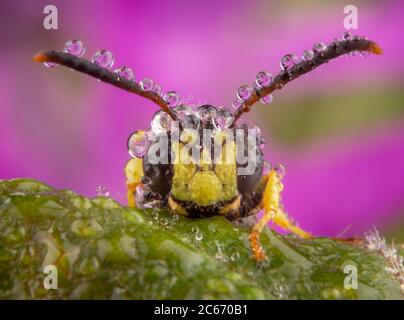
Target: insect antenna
{"points": [[334, 50], [87, 67]]}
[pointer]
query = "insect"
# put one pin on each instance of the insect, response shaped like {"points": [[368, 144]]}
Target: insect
{"points": [[215, 183]]}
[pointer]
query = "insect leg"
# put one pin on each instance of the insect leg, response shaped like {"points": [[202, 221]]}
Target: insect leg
{"points": [[281, 219], [270, 205], [134, 174], [274, 212]]}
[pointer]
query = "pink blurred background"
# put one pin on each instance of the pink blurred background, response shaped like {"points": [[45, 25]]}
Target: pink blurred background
{"points": [[338, 131]]}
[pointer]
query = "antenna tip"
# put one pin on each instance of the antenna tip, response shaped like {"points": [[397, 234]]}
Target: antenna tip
{"points": [[375, 48], [40, 57]]}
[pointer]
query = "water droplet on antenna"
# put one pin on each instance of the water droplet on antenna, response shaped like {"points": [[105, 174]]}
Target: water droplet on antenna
{"points": [[147, 84], [75, 48], [307, 55], [364, 53], [267, 99], [237, 103], [263, 79], [346, 36], [319, 47], [244, 92], [157, 89], [126, 73], [103, 58], [288, 61], [172, 99], [49, 64]]}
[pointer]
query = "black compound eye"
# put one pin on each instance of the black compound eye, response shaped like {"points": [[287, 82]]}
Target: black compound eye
{"points": [[249, 160], [247, 182], [157, 176]]}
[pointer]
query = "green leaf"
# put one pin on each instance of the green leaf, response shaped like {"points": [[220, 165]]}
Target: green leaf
{"points": [[103, 250]]}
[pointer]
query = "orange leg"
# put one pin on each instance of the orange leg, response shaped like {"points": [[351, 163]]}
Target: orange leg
{"points": [[272, 211]]}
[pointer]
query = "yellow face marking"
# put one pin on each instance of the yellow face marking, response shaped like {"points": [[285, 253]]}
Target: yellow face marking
{"points": [[203, 182]]}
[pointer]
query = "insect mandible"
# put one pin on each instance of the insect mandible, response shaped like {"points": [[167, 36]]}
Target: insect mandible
{"points": [[198, 162]]}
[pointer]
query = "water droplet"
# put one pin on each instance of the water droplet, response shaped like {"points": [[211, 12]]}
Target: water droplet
{"points": [[224, 119], [198, 236], [75, 48], [195, 229], [307, 55], [262, 143], [364, 53], [280, 170], [354, 53], [244, 92], [235, 256], [237, 103], [263, 79], [157, 89], [267, 99], [176, 217], [319, 47], [288, 61], [334, 44], [172, 99], [181, 111], [346, 36], [161, 122], [126, 73], [164, 221], [102, 191], [206, 113], [219, 255], [266, 167], [103, 58], [190, 121], [138, 144], [155, 214], [49, 64], [147, 84]]}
